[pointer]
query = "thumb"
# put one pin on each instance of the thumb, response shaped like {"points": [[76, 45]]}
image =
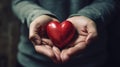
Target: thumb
{"points": [[33, 35], [35, 39]]}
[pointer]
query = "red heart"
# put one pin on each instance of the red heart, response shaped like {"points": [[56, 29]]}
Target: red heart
{"points": [[60, 33]]}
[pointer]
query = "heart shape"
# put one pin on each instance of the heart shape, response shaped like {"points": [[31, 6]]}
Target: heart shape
{"points": [[61, 34]]}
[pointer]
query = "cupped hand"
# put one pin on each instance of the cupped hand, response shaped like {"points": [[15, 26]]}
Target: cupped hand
{"points": [[86, 32], [41, 42]]}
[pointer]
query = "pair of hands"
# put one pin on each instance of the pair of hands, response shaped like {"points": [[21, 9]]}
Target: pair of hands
{"points": [[86, 30]]}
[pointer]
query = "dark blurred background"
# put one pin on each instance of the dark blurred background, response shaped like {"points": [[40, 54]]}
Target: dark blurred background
{"points": [[9, 37]]}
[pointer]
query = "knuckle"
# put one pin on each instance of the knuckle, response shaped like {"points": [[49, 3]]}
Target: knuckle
{"points": [[51, 55]]}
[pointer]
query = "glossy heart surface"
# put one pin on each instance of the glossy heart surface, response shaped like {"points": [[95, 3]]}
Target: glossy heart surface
{"points": [[61, 34]]}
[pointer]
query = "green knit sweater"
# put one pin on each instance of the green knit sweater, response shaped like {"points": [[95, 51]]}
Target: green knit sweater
{"points": [[101, 11]]}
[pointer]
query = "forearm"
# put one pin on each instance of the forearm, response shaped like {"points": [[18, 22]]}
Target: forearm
{"points": [[28, 10], [99, 10]]}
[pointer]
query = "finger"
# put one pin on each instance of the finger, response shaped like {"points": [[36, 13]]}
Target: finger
{"points": [[80, 38], [47, 41], [64, 56], [92, 32], [68, 53], [76, 49], [83, 31], [57, 54], [91, 37], [33, 34], [47, 51], [36, 40]]}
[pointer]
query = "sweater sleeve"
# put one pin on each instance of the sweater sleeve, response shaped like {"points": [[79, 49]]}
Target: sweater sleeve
{"points": [[28, 10], [98, 10]]}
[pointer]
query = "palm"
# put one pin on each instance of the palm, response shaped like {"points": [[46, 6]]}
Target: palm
{"points": [[77, 46], [43, 44], [86, 30], [48, 49]]}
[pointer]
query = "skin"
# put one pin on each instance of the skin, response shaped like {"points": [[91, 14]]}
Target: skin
{"points": [[86, 32], [41, 43]]}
